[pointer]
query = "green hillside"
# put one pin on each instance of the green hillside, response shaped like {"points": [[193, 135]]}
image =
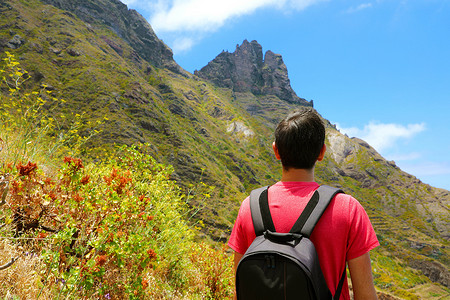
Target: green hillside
{"points": [[99, 74]]}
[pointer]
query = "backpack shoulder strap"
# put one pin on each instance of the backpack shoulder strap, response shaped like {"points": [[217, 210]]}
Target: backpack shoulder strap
{"points": [[337, 295], [314, 210], [259, 207]]}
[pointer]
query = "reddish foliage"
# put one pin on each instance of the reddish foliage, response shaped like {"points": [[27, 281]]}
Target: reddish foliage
{"points": [[9, 166], [151, 254], [123, 181], [75, 163], [78, 198], [16, 187], [26, 170], [85, 179], [52, 196], [42, 235], [120, 180], [48, 181], [144, 283], [108, 180], [83, 268], [100, 260]]}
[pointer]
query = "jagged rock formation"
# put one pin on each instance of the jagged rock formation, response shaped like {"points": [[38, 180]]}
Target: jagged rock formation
{"points": [[245, 70], [128, 24]]}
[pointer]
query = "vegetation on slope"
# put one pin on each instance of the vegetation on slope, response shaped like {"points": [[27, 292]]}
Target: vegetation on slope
{"points": [[118, 228]]}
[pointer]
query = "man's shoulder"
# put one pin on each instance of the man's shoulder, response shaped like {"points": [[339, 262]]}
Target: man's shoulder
{"points": [[244, 210], [347, 207], [347, 199]]}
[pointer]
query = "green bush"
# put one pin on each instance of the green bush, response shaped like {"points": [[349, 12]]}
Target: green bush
{"points": [[118, 228]]}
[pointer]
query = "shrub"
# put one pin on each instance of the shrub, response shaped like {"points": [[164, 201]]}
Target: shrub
{"points": [[115, 229], [110, 229]]}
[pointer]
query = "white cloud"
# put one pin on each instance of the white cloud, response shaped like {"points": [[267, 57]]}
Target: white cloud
{"points": [[435, 173], [128, 2], [182, 44], [350, 131], [209, 15], [383, 136], [358, 8], [406, 156], [428, 168], [183, 23]]}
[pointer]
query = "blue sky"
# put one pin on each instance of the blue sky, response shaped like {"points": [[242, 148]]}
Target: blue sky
{"points": [[379, 69]]}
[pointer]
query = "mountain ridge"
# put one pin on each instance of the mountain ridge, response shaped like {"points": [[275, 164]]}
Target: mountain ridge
{"points": [[128, 24]]}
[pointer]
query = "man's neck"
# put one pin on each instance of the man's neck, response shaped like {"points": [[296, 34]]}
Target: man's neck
{"points": [[303, 175]]}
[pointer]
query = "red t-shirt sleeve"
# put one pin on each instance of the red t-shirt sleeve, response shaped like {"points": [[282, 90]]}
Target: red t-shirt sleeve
{"points": [[362, 237], [238, 238]]}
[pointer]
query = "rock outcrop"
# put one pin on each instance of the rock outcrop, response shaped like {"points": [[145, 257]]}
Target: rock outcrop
{"points": [[15, 42], [433, 270], [245, 70], [127, 24]]}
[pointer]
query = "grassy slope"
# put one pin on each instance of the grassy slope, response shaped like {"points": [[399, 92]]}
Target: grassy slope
{"points": [[185, 120]]}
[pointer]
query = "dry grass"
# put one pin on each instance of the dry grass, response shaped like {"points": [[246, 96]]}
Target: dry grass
{"points": [[22, 280], [431, 292]]}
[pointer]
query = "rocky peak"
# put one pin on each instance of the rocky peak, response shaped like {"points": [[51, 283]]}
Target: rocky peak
{"points": [[249, 53], [126, 23], [245, 70]]}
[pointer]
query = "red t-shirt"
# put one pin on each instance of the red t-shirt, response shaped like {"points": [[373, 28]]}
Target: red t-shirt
{"points": [[343, 232]]}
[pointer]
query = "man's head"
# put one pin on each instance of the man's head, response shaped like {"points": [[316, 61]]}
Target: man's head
{"points": [[299, 139]]}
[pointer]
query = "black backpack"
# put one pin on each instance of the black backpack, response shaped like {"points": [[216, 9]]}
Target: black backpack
{"points": [[284, 265]]}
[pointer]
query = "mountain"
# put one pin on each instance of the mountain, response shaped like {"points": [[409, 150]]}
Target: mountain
{"points": [[216, 127], [244, 70], [127, 24]]}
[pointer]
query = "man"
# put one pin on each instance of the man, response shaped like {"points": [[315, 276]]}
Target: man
{"points": [[343, 233]]}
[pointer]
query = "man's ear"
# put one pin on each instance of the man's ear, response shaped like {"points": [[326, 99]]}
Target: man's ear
{"points": [[275, 151], [322, 153]]}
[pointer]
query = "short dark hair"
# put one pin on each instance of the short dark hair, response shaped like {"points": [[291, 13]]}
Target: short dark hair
{"points": [[299, 138]]}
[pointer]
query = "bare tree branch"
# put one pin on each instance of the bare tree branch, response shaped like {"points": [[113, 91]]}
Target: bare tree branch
{"points": [[5, 266]]}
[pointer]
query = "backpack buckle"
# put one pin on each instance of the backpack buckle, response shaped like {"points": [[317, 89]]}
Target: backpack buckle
{"points": [[283, 238]]}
